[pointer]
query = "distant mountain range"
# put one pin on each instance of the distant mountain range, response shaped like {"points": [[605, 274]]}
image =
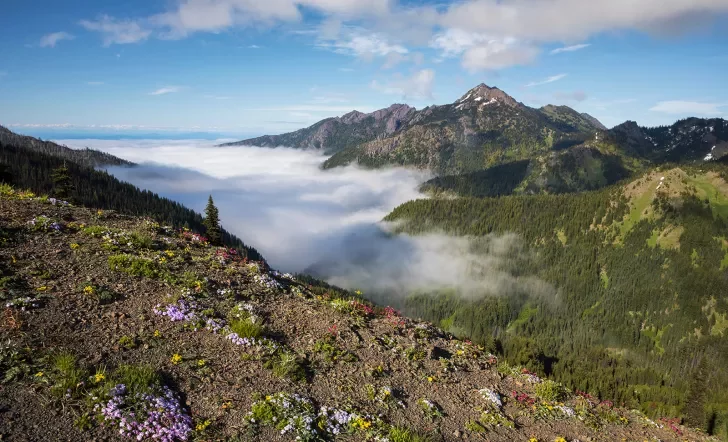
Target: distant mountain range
{"points": [[555, 148]]}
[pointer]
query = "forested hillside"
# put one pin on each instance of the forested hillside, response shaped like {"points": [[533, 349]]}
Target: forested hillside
{"points": [[28, 167], [86, 157], [641, 273]]}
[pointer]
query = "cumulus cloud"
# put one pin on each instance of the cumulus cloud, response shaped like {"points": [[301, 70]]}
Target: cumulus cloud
{"points": [[363, 45], [498, 54], [548, 80], [115, 31], [482, 32], [50, 40], [569, 49], [328, 223], [689, 107], [417, 86]]}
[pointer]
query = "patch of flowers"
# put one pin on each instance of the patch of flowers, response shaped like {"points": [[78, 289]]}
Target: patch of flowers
{"points": [[192, 237], [187, 310], [492, 397], [267, 281], [44, 224], [432, 410], [291, 414], [24, 303], [146, 415], [55, 201], [296, 416], [244, 310], [183, 310]]}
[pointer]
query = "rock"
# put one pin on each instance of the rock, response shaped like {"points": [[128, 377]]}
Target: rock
{"points": [[457, 434]]}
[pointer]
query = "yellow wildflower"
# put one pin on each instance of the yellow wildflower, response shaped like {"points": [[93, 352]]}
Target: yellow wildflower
{"points": [[75, 246], [169, 253], [42, 289], [98, 377], [157, 334], [176, 358], [267, 398], [163, 260], [533, 439], [89, 290], [202, 426], [560, 439], [100, 212], [430, 379], [201, 363], [39, 374]]}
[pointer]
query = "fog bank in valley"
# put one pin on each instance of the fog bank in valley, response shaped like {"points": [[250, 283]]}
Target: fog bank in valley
{"points": [[328, 223]]}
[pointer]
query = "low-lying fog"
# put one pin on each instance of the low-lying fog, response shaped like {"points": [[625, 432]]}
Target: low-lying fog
{"points": [[304, 219]]}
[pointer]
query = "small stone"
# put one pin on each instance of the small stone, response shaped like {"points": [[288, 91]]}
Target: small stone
{"points": [[457, 434]]}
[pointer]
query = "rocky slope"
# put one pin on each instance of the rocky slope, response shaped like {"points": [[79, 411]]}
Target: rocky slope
{"points": [[115, 328], [335, 134], [484, 127]]}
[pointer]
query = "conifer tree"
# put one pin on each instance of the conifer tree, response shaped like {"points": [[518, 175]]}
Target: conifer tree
{"points": [[62, 185], [212, 222]]}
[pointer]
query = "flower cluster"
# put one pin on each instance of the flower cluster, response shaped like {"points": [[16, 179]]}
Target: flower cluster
{"points": [[44, 224], [335, 421], [289, 413], [24, 303], [491, 396], [530, 376], [55, 201], [523, 398], [145, 415], [393, 317], [252, 342], [278, 274], [673, 425], [566, 411], [225, 256], [182, 310], [192, 237], [431, 409], [267, 281], [244, 310]]}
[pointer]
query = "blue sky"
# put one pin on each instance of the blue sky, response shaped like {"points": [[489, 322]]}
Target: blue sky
{"points": [[248, 67]]}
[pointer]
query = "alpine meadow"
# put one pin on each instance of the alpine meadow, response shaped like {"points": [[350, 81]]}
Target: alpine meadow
{"points": [[364, 220]]}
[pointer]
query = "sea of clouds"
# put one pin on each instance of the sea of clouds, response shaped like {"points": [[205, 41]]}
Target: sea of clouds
{"points": [[324, 222]]}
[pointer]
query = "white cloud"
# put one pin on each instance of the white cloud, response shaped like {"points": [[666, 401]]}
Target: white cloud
{"points": [[418, 86], [454, 42], [689, 108], [569, 49], [166, 90], [363, 45], [498, 54], [50, 40], [115, 31], [487, 34], [254, 47], [551, 79], [564, 20]]}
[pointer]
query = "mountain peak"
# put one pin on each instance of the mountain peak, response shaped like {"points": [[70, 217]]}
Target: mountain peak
{"points": [[486, 94]]}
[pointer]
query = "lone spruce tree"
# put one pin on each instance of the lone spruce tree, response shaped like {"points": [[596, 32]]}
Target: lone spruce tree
{"points": [[62, 185], [212, 223]]}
